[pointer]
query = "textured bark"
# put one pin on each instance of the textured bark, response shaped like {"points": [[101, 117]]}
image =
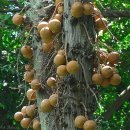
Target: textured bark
{"points": [[79, 37], [39, 9], [77, 97]]}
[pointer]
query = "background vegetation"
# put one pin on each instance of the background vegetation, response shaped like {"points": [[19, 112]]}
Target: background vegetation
{"points": [[11, 64]]}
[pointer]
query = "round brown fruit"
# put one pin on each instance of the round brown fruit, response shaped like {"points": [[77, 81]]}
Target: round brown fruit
{"points": [[41, 25], [47, 48], [36, 124], [29, 75], [18, 116], [59, 59], [46, 106], [60, 9], [31, 94], [61, 70], [77, 9], [105, 83], [88, 8], [103, 56], [23, 110], [51, 82], [113, 57], [46, 34], [54, 25], [101, 24], [53, 99], [31, 110], [18, 19], [106, 71], [28, 67], [58, 16], [72, 67], [115, 79], [90, 125], [61, 52], [26, 122], [27, 52], [26, 49], [79, 121], [35, 84], [97, 78]]}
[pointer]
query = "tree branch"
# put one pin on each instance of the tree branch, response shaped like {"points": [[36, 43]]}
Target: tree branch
{"points": [[105, 13], [116, 13], [10, 10], [14, 10], [117, 104]]}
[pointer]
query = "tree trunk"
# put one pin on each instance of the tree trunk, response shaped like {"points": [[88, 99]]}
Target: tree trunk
{"points": [[76, 94]]}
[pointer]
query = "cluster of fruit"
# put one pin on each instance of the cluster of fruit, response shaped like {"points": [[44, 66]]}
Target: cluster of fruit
{"points": [[79, 9], [26, 117], [83, 122], [107, 73], [27, 112], [47, 31], [71, 67]]}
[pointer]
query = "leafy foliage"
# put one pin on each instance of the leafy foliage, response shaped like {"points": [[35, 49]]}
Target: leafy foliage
{"points": [[12, 89], [10, 77], [120, 29]]}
